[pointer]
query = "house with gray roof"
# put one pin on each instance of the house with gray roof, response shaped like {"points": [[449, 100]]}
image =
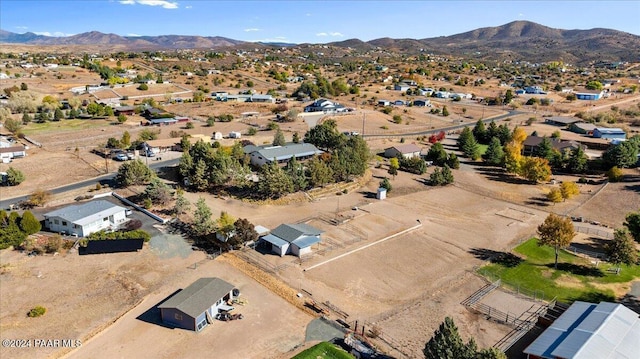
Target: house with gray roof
{"points": [[196, 305], [325, 106], [83, 219], [261, 155], [590, 331], [296, 239]]}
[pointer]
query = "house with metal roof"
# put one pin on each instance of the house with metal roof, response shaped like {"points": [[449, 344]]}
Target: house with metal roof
{"points": [[561, 121], [582, 128], [83, 219], [532, 143], [590, 331], [325, 106], [407, 151], [261, 155], [296, 239], [196, 305], [609, 133]]}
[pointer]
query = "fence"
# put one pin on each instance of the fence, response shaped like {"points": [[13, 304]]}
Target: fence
{"points": [[595, 231], [577, 251], [516, 288]]}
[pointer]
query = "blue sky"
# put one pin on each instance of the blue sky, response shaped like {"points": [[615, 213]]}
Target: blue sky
{"points": [[306, 21]]}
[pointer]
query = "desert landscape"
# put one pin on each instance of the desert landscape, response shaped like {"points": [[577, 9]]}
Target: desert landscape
{"points": [[399, 251]]}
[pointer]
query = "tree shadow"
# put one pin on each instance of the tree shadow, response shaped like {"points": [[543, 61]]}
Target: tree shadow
{"points": [[632, 302], [594, 245], [368, 194], [499, 175], [153, 316], [633, 188], [537, 201], [497, 257], [577, 269], [593, 297]]}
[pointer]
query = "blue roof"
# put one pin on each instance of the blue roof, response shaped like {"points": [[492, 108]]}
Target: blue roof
{"points": [[276, 241], [305, 242]]}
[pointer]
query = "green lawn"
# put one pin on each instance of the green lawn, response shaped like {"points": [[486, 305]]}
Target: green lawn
{"points": [[323, 350], [64, 125], [575, 279]]}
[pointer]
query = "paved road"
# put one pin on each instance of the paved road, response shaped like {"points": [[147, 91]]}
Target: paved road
{"points": [[107, 178], [446, 129]]}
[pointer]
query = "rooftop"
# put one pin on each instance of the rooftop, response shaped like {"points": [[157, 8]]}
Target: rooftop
{"points": [[86, 213], [408, 148], [284, 152], [291, 232], [199, 296]]}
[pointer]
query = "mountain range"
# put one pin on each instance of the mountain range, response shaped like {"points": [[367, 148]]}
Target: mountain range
{"points": [[518, 40]]}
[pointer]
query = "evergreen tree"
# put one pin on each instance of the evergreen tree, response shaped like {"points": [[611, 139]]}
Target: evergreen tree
{"points": [[504, 134], [492, 130], [453, 161], [494, 154], [437, 154], [447, 175], [199, 179], [202, 222], [446, 343], [632, 222], [621, 249], [125, 141], [295, 170], [436, 178], [29, 224], [278, 138], [577, 162], [480, 132], [624, 154], [319, 172], [296, 137], [545, 149], [14, 176], [274, 182], [182, 203], [134, 173], [386, 184], [58, 115]]}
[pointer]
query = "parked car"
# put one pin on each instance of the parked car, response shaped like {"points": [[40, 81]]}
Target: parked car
{"points": [[121, 157], [131, 155]]}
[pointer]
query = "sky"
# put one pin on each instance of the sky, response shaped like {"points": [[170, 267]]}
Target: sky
{"points": [[307, 21]]}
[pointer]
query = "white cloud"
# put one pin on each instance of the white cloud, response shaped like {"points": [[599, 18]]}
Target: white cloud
{"points": [[253, 29], [520, 15], [52, 34], [333, 34], [308, 14], [163, 3], [21, 27], [188, 7], [134, 35], [274, 39]]}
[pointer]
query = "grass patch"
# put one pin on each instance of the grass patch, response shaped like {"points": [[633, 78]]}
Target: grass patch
{"points": [[323, 350], [575, 279], [482, 148], [63, 125]]}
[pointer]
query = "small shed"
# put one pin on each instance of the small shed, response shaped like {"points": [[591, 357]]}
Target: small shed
{"points": [[382, 193], [235, 134], [217, 136], [407, 151], [582, 128], [296, 239]]}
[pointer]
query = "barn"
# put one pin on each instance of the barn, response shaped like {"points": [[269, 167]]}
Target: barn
{"points": [[296, 239], [196, 305], [609, 133]]}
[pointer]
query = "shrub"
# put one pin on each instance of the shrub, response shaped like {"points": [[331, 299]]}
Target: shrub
{"points": [[37, 311], [397, 119], [53, 244], [615, 174], [251, 131], [189, 125], [143, 87]]}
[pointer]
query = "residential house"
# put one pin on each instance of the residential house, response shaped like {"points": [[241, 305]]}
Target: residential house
{"points": [[609, 133], [194, 307], [531, 144], [407, 151], [443, 94], [582, 128], [398, 103], [11, 152], [535, 90], [589, 95], [261, 155], [296, 239], [163, 145], [561, 121], [124, 110], [325, 106], [83, 219], [426, 91], [384, 103], [163, 121], [409, 82], [587, 330]]}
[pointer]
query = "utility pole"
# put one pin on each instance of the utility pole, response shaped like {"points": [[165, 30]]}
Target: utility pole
{"points": [[364, 116]]}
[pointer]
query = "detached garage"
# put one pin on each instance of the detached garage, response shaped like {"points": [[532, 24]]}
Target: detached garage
{"points": [[195, 306]]}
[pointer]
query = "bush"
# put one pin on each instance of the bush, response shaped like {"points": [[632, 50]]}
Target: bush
{"points": [[615, 174], [251, 131], [189, 125], [143, 87], [397, 119], [37, 311], [54, 244]]}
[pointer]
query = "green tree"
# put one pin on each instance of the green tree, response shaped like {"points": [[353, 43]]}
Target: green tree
{"points": [[182, 203], [58, 115], [244, 232], [394, 165], [319, 172], [556, 232], [14, 176], [480, 132], [494, 154], [134, 173], [26, 118], [508, 96], [545, 149], [446, 343], [445, 111], [295, 170], [13, 126], [211, 121], [158, 192], [492, 130], [324, 136], [632, 222], [29, 224], [125, 141], [452, 161], [621, 249], [122, 118], [273, 182], [447, 175], [622, 155], [278, 139], [437, 154], [569, 189], [199, 179], [594, 85], [10, 233], [615, 174], [203, 224], [386, 184], [577, 162], [296, 137]]}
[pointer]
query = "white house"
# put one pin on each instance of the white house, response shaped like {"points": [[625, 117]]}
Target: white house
{"points": [[261, 155], [324, 105], [407, 151], [87, 218], [296, 239]]}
